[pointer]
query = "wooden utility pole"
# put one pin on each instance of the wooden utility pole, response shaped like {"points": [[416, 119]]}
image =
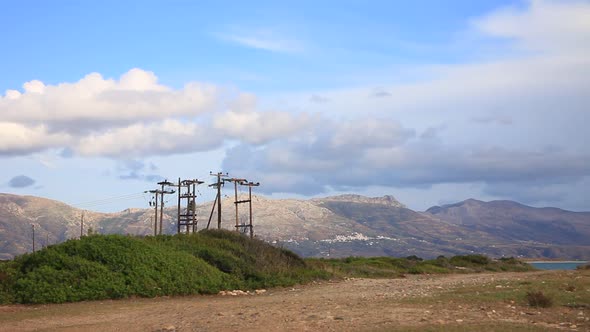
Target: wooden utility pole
{"points": [[178, 214], [250, 185], [82, 224], [152, 223], [155, 212], [244, 182], [212, 210], [187, 190], [155, 203], [162, 193], [218, 185], [33, 226], [236, 202]]}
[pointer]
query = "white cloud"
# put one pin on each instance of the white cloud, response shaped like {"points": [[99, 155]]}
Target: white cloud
{"points": [[261, 127], [95, 101], [17, 138], [133, 116], [139, 140], [544, 25]]}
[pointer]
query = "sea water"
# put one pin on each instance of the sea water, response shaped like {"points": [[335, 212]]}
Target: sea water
{"points": [[563, 265]]}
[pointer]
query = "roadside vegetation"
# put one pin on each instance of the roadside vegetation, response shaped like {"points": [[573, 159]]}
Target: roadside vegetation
{"points": [[390, 267], [114, 266]]}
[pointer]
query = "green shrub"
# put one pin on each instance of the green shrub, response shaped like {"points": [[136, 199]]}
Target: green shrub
{"points": [[469, 260], [509, 260], [538, 299]]}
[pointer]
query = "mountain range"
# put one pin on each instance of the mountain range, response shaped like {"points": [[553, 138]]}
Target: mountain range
{"points": [[337, 226]]}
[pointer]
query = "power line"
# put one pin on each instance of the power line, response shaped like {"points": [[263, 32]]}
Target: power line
{"points": [[109, 201]]}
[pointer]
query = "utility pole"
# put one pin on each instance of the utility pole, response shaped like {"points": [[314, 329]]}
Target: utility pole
{"points": [[82, 224], [33, 226], [152, 222], [187, 190], [250, 185], [236, 202], [178, 206], [162, 193], [155, 203], [218, 185], [212, 210], [236, 182]]}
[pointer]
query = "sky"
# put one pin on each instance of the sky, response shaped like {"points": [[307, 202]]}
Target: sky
{"points": [[432, 102]]}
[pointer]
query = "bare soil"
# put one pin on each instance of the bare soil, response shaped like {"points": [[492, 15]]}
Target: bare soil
{"points": [[413, 303]]}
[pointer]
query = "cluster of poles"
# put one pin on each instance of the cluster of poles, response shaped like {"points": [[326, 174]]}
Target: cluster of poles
{"points": [[187, 193], [186, 216]]}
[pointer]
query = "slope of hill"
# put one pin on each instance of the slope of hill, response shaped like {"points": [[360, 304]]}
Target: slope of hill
{"points": [[511, 221], [333, 226], [524, 230]]}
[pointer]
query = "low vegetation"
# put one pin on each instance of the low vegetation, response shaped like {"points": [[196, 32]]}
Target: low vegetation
{"points": [[388, 267], [115, 266]]}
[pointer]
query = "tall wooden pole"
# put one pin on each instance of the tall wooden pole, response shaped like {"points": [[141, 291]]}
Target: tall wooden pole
{"points": [[194, 207], [212, 210], [152, 222], [33, 226], [82, 224], [156, 215], [236, 203], [218, 200], [250, 203], [179, 193], [161, 209]]}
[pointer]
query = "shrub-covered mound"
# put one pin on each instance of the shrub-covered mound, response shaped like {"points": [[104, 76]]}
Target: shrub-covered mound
{"points": [[115, 266]]}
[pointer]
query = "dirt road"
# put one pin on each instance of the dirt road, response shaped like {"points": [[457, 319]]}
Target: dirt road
{"points": [[350, 305]]}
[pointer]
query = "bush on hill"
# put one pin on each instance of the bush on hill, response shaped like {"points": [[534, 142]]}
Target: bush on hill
{"points": [[115, 266]]}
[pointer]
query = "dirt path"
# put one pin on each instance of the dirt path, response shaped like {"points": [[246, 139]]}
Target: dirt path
{"points": [[350, 305]]}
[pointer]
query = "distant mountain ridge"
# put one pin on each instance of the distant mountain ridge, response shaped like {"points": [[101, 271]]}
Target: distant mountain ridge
{"points": [[384, 200], [514, 221], [331, 226]]}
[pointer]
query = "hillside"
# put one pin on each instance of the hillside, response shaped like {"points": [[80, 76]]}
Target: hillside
{"points": [[513, 221], [336, 226], [555, 230]]}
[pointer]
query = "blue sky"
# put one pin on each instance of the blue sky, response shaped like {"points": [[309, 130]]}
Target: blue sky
{"points": [[184, 40], [430, 101]]}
